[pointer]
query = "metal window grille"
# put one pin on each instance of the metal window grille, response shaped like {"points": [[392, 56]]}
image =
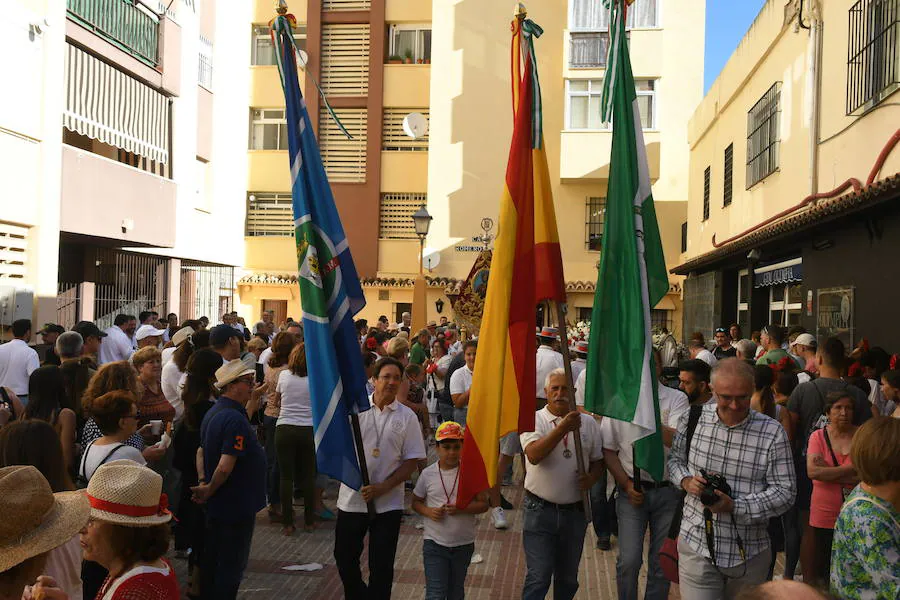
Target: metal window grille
{"points": [[345, 59], [344, 159], [584, 313], [205, 64], [207, 290], [346, 4], [395, 222], [268, 129], [727, 174], [684, 231], [873, 58], [262, 53], [763, 136], [13, 255], [660, 318], [269, 215], [588, 49], [126, 24], [392, 135], [595, 212], [67, 304], [706, 177], [128, 282]]}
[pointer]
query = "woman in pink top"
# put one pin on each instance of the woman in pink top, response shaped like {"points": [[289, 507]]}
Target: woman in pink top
{"points": [[833, 477]]}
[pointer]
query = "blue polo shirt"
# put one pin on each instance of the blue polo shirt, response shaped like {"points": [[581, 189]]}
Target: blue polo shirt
{"points": [[227, 430]]}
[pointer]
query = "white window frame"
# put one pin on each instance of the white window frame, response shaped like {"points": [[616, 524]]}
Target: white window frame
{"points": [[299, 34], [743, 306], [654, 126], [267, 121], [599, 5], [417, 27], [783, 304], [205, 64]]}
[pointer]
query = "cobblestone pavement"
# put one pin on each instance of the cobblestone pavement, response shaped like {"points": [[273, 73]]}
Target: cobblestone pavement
{"points": [[498, 577]]}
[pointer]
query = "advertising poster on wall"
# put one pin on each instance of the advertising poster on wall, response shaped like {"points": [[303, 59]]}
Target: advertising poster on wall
{"points": [[834, 317]]}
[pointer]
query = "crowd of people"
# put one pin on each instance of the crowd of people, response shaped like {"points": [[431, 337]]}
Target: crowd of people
{"points": [[776, 444]]}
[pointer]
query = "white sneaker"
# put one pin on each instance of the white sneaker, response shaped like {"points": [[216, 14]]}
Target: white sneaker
{"points": [[498, 517]]}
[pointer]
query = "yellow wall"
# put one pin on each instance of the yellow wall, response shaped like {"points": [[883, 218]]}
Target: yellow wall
{"points": [[406, 86], [407, 11], [264, 11], [271, 254], [404, 171], [770, 52], [265, 86], [268, 171]]}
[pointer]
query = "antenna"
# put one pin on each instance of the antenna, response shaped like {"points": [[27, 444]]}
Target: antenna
{"points": [[415, 125]]}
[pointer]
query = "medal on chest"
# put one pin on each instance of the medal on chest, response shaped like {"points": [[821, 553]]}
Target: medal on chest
{"points": [[566, 452], [379, 432]]}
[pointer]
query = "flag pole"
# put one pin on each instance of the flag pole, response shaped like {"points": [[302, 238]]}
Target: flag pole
{"points": [[567, 365], [361, 456]]}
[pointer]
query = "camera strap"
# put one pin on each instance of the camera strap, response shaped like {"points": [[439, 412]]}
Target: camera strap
{"points": [[711, 543]]}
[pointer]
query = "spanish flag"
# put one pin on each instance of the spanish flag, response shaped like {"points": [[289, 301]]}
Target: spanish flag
{"points": [[526, 268]]}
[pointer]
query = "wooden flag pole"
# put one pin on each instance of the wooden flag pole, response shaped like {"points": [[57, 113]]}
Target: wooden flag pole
{"points": [[567, 365], [361, 456]]}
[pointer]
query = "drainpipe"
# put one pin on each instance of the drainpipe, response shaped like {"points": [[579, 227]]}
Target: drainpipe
{"points": [[171, 136], [815, 76]]}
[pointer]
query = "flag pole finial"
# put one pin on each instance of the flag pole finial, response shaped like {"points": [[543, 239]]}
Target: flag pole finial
{"points": [[520, 12], [281, 7]]}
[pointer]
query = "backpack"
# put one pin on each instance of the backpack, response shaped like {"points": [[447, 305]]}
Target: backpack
{"points": [[81, 480]]}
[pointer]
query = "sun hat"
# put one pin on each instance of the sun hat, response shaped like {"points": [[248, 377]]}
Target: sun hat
{"points": [[126, 493], [448, 430], [182, 334], [581, 346], [805, 339], [231, 371], [145, 331], [549, 332], [35, 520]]}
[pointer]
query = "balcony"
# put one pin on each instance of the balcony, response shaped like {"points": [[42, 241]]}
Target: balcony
{"points": [[407, 85], [404, 171], [108, 199], [407, 11], [584, 155], [127, 24]]}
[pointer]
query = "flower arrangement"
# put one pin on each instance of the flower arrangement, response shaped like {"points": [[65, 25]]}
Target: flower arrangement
{"points": [[579, 332]]}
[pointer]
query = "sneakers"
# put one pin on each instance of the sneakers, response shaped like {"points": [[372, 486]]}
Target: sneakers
{"points": [[498, 518], [603, 543]]}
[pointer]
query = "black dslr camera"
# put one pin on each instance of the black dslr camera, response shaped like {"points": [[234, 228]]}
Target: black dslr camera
{"points": [[714, 482]]}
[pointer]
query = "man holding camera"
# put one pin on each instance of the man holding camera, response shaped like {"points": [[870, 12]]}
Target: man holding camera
{"points": [[739, 474]]}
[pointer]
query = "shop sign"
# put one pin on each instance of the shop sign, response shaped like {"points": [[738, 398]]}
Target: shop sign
{"points": [[834, 316], [780, 276], [462, 248]]}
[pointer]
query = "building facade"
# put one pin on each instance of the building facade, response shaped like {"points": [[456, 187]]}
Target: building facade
{"points": [[122, 183], [793, 175], [449, 61]]}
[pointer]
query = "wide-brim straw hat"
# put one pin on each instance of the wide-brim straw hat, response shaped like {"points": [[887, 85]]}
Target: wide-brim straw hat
{"points": [[232, 370], [182, 334], [126, 493], [33, 519]]}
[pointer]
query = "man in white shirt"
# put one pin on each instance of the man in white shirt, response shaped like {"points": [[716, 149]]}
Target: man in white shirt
{"points": [[547, 360], [18, 360], [652, 505], [451, 337], [118, 344], [461, 381], [580, 362], [699, 351], [554, 521], [404, 324], [393, 445]]}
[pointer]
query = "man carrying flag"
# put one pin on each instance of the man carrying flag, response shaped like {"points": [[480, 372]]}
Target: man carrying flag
{"points": [[621, 378]]}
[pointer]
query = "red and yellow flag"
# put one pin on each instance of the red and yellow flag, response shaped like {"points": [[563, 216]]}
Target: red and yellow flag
{"points": [[526, 269]]}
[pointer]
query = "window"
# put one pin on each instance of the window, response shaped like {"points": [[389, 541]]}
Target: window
{"points": [[203, 195], [762, 136], [345, 59], [595, 211], [584, 103], [263, 53], [706, 177], [726, 187], [873, 66], [13, 255], [205, 64], [394, 138], [269, 214], [590, 15], [588, 49], [411, 41], [785, 304], [268, 129], [344, 159], [684, 237], [584, 314], [395, 222], [743, 301], [660, 318]]}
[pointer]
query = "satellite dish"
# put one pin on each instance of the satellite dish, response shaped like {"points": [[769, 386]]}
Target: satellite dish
{"points": [[415, 125], [431, 258], [304, 57]]}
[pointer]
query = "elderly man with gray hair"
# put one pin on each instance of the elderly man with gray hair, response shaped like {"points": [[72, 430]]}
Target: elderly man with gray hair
{"points": [[554, 521], [738, 474]]}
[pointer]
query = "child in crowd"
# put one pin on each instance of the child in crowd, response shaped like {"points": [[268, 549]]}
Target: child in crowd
{"points": [[449, 531]]}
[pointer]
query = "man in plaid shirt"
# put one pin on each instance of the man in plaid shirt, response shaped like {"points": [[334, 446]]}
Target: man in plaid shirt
{"points": [[752, 452]]}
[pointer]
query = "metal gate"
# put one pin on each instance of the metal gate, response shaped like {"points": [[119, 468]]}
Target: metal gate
{"points": [[128, 283], [207, 290]]}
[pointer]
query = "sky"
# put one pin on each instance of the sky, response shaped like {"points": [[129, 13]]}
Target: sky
{"points": [[726, 23]]}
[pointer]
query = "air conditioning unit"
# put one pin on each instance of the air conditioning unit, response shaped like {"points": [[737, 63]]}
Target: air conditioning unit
{"points": [[15, 303]]}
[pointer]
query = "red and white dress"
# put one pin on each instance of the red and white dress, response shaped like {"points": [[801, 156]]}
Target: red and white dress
{"points": [[142, 583]]}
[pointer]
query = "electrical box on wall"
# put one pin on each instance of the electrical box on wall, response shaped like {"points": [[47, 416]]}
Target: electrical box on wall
{"points": [[15, 303]]}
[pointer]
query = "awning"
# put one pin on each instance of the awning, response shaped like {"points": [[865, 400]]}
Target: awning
{"points": [[782, 273], [107, 105], [665, 304]]}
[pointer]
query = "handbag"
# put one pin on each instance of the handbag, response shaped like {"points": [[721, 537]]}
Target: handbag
{"points": [[844, 490], [668, 554]]}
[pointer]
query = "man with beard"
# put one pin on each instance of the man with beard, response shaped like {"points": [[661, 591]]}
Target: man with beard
{"points": [[693, 380]]}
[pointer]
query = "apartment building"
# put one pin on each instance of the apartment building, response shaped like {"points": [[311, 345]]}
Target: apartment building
{"points": [[793, 208], [121, 181], [450, 62]]}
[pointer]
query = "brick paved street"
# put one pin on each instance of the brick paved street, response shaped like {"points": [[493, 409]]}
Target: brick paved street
{"points": [[499, 577]]}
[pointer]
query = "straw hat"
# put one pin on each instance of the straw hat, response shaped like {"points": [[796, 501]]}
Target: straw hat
{"points": [[181, 335], [126, 493], [35, 520], [231, 371]]}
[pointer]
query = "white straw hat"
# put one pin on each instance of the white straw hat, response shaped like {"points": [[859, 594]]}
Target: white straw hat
{"points": [[181, 335], [231, 371], [126, 493]]}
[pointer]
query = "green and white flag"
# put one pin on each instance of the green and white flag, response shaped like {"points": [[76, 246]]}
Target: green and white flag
{"points": [[621, 377]]}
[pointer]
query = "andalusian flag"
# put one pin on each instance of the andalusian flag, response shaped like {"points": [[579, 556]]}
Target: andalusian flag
{"points": [[526, 268], [330, 293], [621, 378]]}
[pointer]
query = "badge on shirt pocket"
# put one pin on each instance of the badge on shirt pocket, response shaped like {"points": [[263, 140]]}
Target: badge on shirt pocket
{"points": [[396, 426]]}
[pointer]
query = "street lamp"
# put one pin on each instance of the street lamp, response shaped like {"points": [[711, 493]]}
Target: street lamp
{"points": [[421, 222]]}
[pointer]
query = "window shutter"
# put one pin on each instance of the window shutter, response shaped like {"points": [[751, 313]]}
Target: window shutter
{"points": [[346, 4], [13, 256], [393, 137], [345, 60], [344, 159], [395, 222]]}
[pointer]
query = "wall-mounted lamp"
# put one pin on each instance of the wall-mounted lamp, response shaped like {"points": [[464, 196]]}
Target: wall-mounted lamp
{"points": [[439, 305]]}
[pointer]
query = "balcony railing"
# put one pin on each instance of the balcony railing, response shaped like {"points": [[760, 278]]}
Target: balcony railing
{"points": [[127, 24]]}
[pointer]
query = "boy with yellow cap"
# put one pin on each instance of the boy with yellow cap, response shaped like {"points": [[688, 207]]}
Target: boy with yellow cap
{"points": [[449, 531]]}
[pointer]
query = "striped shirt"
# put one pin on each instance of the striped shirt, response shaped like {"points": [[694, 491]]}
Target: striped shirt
{"points": [[755, 458]]}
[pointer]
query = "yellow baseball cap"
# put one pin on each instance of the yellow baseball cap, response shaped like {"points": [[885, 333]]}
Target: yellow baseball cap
{"points": [[448, 430]]}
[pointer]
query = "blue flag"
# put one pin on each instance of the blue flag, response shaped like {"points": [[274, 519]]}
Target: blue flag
{"points": [[330, 293]]}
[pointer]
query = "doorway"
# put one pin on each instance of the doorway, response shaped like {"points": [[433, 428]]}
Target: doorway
{"points": [[278, 307]]}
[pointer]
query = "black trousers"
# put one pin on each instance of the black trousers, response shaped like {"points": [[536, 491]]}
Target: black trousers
{"points": [[350, 531]]}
